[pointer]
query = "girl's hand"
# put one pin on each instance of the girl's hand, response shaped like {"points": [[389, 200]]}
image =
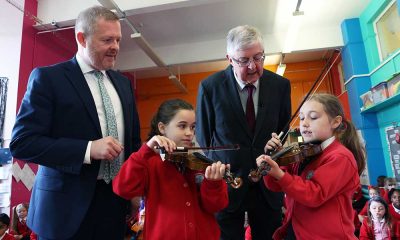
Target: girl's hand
{"points": [[162, 141], [275, 171], [273, 144], [215, 171]]}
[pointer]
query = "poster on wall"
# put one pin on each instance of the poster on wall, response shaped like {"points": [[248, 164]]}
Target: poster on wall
{"points": [[394, 149]]}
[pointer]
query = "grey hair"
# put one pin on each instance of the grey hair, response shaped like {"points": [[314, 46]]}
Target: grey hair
{"points": [[86, 21], [241, 37]]}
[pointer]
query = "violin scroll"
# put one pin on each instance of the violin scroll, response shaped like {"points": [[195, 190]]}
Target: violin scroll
{"points": [[235, 182]]}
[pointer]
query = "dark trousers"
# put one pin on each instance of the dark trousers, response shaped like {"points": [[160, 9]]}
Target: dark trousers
{"points": [[105, 219], [263, 219]]}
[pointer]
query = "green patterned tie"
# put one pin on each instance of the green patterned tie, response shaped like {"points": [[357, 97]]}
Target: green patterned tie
{"points": [[111, 168]]}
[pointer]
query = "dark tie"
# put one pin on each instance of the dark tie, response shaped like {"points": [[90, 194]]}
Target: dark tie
{"points": [[250, 113]]}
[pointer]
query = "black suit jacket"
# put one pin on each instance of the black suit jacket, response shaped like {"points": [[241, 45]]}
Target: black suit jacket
{"points": [[221, 120], [56, 120]]}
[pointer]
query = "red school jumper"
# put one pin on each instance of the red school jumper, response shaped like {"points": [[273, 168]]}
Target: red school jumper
{"points": [[319, 200], [367, 232], [176, 207], [8, 236], [22, 228], [395, 216]]}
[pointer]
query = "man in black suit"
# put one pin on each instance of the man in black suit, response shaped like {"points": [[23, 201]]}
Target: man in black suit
{"points": [[225, 115], [78, 121]]}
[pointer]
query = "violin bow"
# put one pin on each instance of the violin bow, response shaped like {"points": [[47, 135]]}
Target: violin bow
{"points": [[209, 149], [311, 92]]}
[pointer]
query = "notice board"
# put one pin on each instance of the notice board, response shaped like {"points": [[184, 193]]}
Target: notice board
{"points": [[394, 149]]}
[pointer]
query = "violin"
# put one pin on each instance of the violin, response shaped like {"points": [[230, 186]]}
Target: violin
{"points": [[198, 162], [295, 152]]}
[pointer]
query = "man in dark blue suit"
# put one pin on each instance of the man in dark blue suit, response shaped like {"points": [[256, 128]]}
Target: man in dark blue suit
{"points": [[63, 125], [225, 115]]}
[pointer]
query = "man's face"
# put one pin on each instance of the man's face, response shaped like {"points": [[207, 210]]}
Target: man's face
{"points": [[254, 56], [101, 48]]}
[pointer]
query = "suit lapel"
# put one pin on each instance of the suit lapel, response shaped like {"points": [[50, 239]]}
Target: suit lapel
{"points": [[75, 76], [121, 93], [234, 98], [263, 94], [126, 108]]}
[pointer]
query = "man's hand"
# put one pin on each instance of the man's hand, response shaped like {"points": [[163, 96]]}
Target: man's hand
{"points": [[107, 148]]}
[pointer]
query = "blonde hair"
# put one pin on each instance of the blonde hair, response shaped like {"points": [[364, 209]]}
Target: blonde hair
{"points": [[86, 21], [15, 218]]}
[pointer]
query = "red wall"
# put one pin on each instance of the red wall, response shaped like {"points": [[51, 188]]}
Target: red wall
{"points": [[37, 50]]}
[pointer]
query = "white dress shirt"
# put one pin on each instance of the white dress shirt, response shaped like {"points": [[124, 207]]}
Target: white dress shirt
{"points": [[116, 102]]}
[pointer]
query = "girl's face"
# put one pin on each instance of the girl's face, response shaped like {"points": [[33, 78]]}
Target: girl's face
{"points": [[21, 212], [372, 193], [396, 199], [391, 184], [181, 128], [377, 210], [315, 124]]}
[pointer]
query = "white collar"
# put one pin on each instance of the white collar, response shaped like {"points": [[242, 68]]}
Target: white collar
{"points": [[84, 66], [327, 142], [395, 209], [243, 84], [378, 221]]}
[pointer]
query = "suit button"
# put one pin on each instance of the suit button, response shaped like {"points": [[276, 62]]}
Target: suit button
{"points": [[185, 185], [188, 204]]}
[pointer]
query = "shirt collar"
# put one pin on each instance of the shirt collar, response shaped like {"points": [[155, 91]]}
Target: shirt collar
{"points": [[327, 142], [86, 68], [378, 221], [395, 209], [243, 84]]}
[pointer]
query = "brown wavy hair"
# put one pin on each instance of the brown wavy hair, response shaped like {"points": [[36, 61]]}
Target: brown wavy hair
{"points": [[165, 113], [346, 132]]}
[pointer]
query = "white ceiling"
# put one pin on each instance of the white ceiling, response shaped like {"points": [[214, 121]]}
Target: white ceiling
{"points": [[189, 35]]}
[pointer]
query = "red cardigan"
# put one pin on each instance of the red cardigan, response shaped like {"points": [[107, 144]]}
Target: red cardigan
{"points": [[8, 236], [176, 207], [367, 232], [23, 230], [395, 216], [319, 200]]}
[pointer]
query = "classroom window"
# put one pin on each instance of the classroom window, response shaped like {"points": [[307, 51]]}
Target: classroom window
{"points": [[387, 29]]}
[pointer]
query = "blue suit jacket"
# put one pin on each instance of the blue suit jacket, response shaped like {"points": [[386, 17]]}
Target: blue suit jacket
{"points": [[220, 120], [56, 120]]}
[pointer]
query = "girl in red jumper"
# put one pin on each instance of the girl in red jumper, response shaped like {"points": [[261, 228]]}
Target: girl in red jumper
{"points": [[180, 203], [4, 223], [390, 183], [372, 192], [378, 224], [394, 206], [319, 190], [18, 225]]}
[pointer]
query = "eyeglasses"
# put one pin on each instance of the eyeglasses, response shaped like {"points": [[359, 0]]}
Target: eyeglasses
{"points": [[245, 62]]}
